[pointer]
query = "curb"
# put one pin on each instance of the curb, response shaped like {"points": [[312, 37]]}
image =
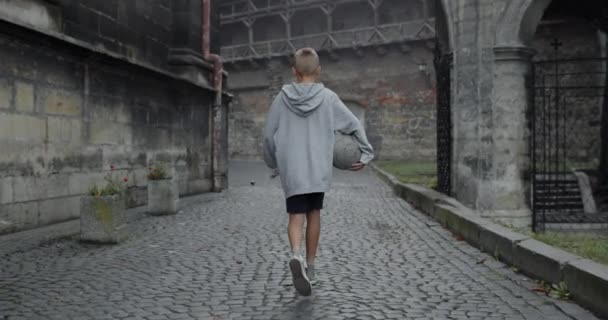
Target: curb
{"points": [[586, 279]]}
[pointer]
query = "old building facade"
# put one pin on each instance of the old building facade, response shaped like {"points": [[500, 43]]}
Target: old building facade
{"points": [[526, 94], [505, 95], [90, 85], [377, 55]]}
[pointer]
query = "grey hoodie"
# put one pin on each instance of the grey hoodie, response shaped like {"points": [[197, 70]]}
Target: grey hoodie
{"points": [[299, 136]]}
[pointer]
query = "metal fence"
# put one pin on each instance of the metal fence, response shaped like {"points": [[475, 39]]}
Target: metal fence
{"points": [[565, 137], [443, 66]]}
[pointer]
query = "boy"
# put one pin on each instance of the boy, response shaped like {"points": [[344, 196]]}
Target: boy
{"points": [[298, 145]]}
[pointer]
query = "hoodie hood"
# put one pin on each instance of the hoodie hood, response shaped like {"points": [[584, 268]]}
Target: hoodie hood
{"points": [[303, 98]]}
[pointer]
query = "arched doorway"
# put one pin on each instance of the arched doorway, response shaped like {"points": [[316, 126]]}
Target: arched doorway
{"points": [[357, 110], [570, 91]]}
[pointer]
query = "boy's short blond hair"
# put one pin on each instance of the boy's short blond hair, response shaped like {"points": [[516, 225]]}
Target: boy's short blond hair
{"points": [[306, 61]]}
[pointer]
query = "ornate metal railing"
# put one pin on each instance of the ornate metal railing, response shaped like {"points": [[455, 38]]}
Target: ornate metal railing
{"points": [[351, 38], [233, 11], [443, 67], [565, 137]]}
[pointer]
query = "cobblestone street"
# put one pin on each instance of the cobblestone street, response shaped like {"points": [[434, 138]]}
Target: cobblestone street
{"points": [[224, 256]]}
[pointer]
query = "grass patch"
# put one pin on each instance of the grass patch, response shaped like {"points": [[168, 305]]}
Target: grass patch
{"points": [[416, 172], [590, 246]]}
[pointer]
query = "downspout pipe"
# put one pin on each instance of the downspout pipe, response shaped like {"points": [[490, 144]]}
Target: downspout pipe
{"points": [[218, 67], [218, 165]]}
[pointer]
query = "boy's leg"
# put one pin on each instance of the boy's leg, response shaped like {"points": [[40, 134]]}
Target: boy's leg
{"points": [[296, 264], [294, 230], [313, 231]]}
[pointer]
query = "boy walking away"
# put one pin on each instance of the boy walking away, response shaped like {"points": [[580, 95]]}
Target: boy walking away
{"points": [[298, 144]]}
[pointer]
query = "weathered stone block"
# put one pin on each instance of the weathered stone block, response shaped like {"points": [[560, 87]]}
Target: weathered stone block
{"points": [[425, 198], [464, 222], [64, 130], [541, 261], [105, 132], [80, 183], [588, 283], [187, 187], [24, 97], [162, 197], [136, 197], [500, 241], [36, 188], [63, 103], [6, 94], [20, 216], [103, 219], [6, 190], [141, 177], [22, 128], [441, 214], [59, 210], [6, 226]]}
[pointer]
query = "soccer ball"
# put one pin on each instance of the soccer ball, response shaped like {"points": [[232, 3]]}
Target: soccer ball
{"points": [[346, 151]]}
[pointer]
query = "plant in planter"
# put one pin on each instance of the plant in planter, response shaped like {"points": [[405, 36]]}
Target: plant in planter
{"points": [[163, 194], [102, 212]]}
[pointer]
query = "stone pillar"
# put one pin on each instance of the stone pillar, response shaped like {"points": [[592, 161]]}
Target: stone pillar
{"points": [[503, 190], [220, 146]]}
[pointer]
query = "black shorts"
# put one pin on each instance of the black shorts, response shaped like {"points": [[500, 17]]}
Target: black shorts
{"points": [[305, 203]]}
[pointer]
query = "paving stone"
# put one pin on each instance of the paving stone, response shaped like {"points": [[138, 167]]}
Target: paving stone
{"points": [[224, 256]]}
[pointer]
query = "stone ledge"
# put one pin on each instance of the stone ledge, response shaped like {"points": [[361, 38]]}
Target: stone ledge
{"points": [[500, 242], [542, 261], [588, 283], [587, 280]]}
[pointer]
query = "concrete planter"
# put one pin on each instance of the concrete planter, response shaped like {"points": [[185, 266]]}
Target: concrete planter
{"points": [[163, 196], [103, 219]]}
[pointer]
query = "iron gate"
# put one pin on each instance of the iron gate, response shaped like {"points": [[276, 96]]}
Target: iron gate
{"points": [[565, 137], [443, 66]]}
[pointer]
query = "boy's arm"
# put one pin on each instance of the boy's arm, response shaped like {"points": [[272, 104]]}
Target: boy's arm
{"points": [[346, 122], [272, 124]]}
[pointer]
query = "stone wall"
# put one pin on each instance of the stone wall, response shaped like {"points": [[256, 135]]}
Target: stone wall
{"points": [[395, 100], [68, 112], [137, 29], [140, 30], [492, 43], [377, 55]]}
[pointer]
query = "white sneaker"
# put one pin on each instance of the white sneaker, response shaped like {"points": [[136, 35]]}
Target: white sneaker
{"points": [[310, 273], [298, 274]]}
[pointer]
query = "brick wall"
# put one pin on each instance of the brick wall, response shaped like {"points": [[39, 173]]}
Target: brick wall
{"points": [[397, 98]]}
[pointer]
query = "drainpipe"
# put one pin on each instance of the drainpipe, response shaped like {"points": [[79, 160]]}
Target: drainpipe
{"points": [[218, 163], [207, 55]]}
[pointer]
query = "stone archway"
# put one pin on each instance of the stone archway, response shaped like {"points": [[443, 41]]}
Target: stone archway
{"points": [[357, 110], [519, 22], [442, 25], [570, 87]]}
